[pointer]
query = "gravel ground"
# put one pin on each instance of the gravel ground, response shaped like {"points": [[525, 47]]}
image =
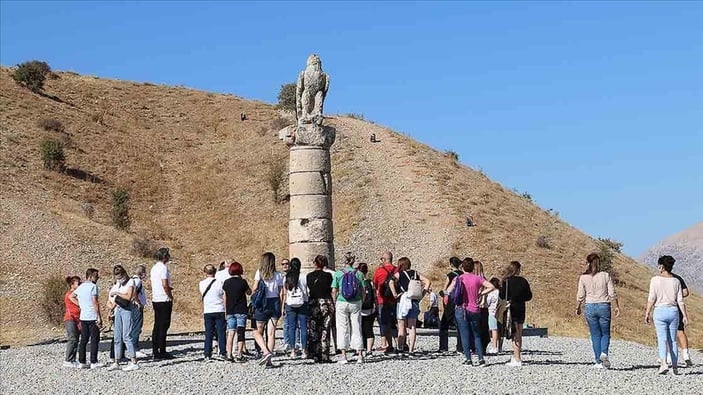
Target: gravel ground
{"points": [[552, 365]]}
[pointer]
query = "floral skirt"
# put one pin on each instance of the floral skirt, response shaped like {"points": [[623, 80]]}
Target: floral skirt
{"points": [[321, 314]]}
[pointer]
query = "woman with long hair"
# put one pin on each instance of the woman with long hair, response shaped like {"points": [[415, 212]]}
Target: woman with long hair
{"points": [[72, 321], [517, 290], [122, 296], [483, 307], [368, 309], [321, 311], [596, 290], [268, 316], [665, 296], [296, 304], [407, 309]]}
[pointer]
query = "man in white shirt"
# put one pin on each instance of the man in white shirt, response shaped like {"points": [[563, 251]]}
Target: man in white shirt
{"points": [[212, 296], [162, 301], [223, 273], [86, 297]]}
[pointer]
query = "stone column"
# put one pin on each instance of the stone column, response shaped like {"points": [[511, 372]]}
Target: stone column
{"points": [[310, 230]]}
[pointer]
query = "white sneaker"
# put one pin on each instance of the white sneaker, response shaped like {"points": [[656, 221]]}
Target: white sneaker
{"points": [[114, 366], [67, 364], [97, 365], [83, 366], [605, 361], [663, 369], [360, 358], [140, 354], [342, 361], [514, 363], [598, 366], [130, 366]]}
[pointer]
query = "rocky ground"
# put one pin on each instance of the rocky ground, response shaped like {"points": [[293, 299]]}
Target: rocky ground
{"points": [[552, 365]]}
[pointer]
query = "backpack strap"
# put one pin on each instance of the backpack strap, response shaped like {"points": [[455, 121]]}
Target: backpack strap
{"points": [[208, 288]]}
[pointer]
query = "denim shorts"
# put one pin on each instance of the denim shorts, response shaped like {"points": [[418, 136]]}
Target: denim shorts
{"points": [[492, 323], [235, 321], [413, 313], [271, 310]]}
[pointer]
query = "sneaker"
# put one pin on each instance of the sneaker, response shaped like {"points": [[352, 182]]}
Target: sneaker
{"points": [[207, 359], [239, 359], [83, 366], [360, 358], [598, 366], [266, 359], [67, 364], [114, 366], [97, 365], [342, 361], [166, 356], [688, 362], [482, 363], [467, 362], [514, 363], [663, 369], [219, 357], [140, 354], [130, 366], [269, 365], [675, 371], [605, 361]]}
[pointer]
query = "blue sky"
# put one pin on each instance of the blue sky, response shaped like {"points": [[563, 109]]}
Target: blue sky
{"points": [[594, 108]]}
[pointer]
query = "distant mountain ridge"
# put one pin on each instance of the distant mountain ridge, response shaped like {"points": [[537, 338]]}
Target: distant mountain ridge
{"points": [[687, 248]]}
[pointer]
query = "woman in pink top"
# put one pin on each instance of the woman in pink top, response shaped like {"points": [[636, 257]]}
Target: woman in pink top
{"points": [[468, 313], [596, 290]]}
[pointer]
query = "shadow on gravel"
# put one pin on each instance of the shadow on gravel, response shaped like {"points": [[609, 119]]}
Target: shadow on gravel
{"points": [[637, 367], [555, 362], [539, 352]]}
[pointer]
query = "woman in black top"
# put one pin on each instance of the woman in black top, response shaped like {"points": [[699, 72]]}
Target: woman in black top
{"points": [[321, 311], [447, 319], [518, 292], [236, 290]]}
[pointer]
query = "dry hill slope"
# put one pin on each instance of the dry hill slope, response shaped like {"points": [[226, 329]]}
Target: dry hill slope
{"points": [[687, 248], [199, 182]]}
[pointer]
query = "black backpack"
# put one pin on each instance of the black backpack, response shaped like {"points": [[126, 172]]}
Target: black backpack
{"points": [[386, 286], [367, 304]]}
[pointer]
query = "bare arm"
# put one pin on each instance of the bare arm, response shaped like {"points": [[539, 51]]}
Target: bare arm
{"points": [[451, 286], [167, 288], [685, 292], [96, 306], [426, 283], [74, 300], [648, 312], [487, 287]]}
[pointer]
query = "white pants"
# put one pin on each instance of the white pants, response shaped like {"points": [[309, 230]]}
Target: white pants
{"points": [[348, 313]]}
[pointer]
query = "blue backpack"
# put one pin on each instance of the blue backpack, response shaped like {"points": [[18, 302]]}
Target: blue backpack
{"points": [[258, 298], [350, 285], [457, 295]]}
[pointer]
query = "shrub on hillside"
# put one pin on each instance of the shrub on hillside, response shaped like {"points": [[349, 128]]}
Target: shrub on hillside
{"points": [[612, 244], [143, 247], [543, 242], [51, 124], [276, 176], [53, 291], [286, 97], [355, 115], [452, 155], [120, 208], [52, 155], [526, 196], [88, 209], [32, 75]]}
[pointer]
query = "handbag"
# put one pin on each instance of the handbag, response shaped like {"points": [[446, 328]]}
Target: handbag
{"points": [[414, 287], [122, 302], [503, 314]]}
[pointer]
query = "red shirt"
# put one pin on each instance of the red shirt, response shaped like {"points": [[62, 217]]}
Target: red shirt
{"points": [[379, 277], [73, 312]]}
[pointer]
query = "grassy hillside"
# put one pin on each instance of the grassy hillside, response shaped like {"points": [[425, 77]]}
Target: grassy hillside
{"points": [[200, 182]]}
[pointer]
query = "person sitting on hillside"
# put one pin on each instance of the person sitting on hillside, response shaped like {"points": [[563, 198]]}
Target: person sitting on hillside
{"points": [[348, 292], [408, 307], [72, 321]]}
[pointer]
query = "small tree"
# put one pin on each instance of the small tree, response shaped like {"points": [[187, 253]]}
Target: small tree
{"points": [[32, 75], [606, 256], [120, 208], [52, 299], [286, 97], [52, 154], [612, 244]]}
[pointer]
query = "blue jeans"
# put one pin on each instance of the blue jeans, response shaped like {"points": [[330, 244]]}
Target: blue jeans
{"points": [[215, 322], [598, 319], [123, 332], [468, 324], [137, 324], [297, 318], [666, 322]]}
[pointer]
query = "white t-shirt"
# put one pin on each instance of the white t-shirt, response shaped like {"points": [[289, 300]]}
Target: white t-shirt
{"points": [[301, 288], [120, 289], [272, 285], [213, 301], [141, 295], [159, 272], [492, 302], [85, 294], [222, 275]]}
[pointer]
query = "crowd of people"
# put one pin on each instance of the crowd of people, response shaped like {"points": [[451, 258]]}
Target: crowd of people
{"points": [[328, 316]]}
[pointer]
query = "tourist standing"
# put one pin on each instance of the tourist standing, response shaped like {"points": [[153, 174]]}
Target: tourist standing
{"points": [[492, 302], [681, 332], [162, 301], [348, 292], [447, 319], [297, 308], [321, 311], [121, 299], [483, 308], [72, 322], [408, 307], [665, 296], [138, 310], [516, 289], [236, 290], [386, 302], [368, 309], [267, 316], [212, 297], [596, 290], [86, 297], [468, 314]]}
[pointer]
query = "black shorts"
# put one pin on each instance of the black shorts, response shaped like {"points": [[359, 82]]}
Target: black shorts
{"points": [[517, 314], [681, 327]]}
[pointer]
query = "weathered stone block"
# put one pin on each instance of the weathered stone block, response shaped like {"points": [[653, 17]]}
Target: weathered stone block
{"points": [[303, 158], [307, 252], [310, 206], [310, 183], [302, 230]]}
